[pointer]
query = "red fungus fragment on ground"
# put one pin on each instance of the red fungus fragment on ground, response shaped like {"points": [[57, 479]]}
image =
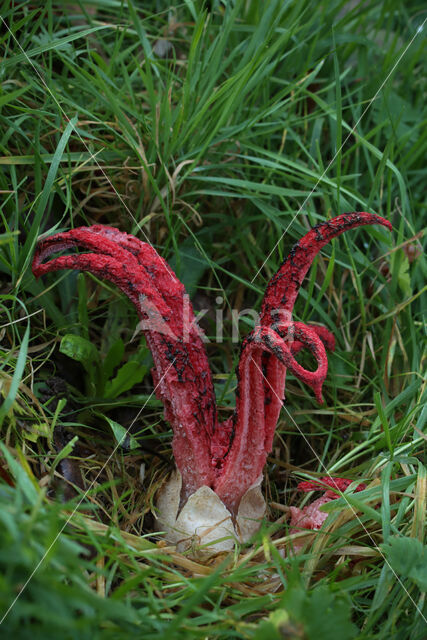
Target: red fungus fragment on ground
{"points": [[228, 457], [339, 484], [310, 517]]}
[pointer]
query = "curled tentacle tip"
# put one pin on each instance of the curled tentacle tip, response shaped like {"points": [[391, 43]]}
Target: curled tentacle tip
{"points": [[319, 397], [317, 388], [325, 335]]}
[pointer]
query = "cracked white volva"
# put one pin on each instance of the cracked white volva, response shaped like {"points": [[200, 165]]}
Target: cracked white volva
{"points": [[204, 521]]}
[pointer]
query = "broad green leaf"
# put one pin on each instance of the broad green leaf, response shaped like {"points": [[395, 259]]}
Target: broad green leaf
{"points": [[321, 613], [128, 375], [79, 349], [121, 434], [408, 558], [113, 358]]}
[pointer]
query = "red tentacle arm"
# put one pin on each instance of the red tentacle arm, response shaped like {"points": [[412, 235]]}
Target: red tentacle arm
{"points": [[160, 273], [322, 484], [173, 291], [253, 436], [182, 373], [283, 289], [262, 370]]}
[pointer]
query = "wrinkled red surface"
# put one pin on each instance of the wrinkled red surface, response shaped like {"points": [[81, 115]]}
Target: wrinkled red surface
{"points": [[310, 517], [229, 456], [262, 370], [182, 375], [339, 484], [251, 443]]}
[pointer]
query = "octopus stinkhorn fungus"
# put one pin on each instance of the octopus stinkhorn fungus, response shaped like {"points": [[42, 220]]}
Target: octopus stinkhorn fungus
{"points": [[215, 492]]}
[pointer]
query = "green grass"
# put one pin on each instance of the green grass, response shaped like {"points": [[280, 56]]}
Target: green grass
{"points": [[264, 118]]}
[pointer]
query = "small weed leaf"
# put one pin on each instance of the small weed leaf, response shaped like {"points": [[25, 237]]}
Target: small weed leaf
{"points": [[408, 559]]}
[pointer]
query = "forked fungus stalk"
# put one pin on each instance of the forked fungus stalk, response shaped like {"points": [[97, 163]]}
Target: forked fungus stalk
{"points": [[219, 461]]}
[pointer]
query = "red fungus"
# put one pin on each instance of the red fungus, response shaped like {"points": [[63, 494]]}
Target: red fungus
{"points": [[181, 372], [337, 484], [310, 517], [261, 383], [228, 457]]}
